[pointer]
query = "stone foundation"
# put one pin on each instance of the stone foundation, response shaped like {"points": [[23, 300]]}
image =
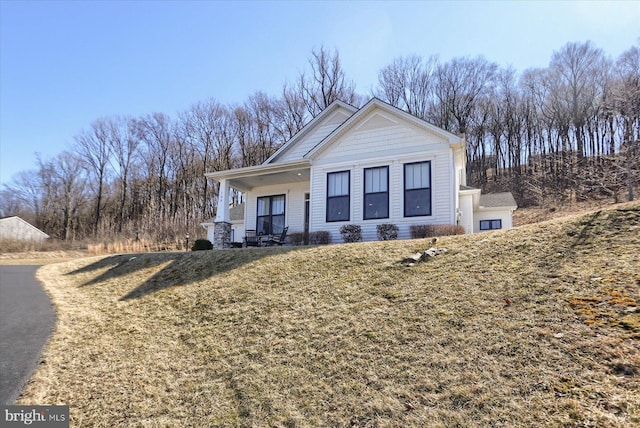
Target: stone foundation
{"points": [[221, 235]]}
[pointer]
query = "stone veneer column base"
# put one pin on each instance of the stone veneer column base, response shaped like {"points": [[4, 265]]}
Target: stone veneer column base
{"points": [[221, 234]]}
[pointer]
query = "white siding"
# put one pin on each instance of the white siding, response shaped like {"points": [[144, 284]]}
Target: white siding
{"points": [[18, 229], [210, 230], [492, 214], [382, 142], [294, 204], [388, 139], [310, 140], [237, 231], [466, 210]]}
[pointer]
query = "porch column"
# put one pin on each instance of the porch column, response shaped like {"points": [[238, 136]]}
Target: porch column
{"points": [[222, 212], [222, 222]]}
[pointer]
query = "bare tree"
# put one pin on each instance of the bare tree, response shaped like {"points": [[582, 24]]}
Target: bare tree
{"points": [[95, 151], [124, 145], [627, 102], [460, 84], [66, 190], [155, 131], [408, 83], [290, 113], [326, 83], [23, 197], [207, 125], [575, 70]]}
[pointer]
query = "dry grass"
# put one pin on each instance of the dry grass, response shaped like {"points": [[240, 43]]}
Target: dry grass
{"points": [[557, 210], [345, 335], [40, 257], [133, 246]]}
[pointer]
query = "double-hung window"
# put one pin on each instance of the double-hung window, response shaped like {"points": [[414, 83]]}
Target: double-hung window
{"points": [[270, 215], [338, 196], [490, 224], [417, 189], [376, 193]]}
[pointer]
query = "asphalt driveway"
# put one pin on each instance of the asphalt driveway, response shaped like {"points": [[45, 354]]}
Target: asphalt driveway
{"points": [[27, 319]]}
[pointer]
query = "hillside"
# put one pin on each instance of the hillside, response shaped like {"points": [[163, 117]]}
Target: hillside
{"points": [[347, 335]]}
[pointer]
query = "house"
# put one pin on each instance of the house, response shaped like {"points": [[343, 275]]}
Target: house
{"points": [[15, 228], [367, 166]]}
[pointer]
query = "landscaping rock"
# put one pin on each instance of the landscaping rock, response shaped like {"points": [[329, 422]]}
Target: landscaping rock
{"points": [[426, 255]]}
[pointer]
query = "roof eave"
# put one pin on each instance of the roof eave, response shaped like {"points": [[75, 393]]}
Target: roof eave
{"points": [[498, 208], [250, 171]]}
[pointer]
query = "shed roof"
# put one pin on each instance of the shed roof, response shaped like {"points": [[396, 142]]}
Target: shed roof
{"points": [[494, 200]]}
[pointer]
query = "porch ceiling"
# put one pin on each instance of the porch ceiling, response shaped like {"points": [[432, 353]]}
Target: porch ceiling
{"points": [[247, 178], [270, 178]]}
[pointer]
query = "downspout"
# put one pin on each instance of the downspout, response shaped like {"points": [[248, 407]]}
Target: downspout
{"points": [[453, 196]]}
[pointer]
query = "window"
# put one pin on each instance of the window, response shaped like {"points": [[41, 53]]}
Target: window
{"points": [[417, 189], [376, 193], [338, 196], [490, 224], [270, 215]]}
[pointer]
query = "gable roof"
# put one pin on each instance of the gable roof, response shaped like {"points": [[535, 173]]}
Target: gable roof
{"points": [[316, 121], [373, 104], [497, 200]]}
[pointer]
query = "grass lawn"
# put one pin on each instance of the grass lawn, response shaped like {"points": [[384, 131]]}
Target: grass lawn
{"points": [[347, 335]]}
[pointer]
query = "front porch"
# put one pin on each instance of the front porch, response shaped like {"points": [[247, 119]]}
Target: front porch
{"points": [[276, 197]]}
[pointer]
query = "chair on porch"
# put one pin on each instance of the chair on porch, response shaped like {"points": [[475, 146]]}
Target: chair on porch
{"points": [[251, 239], [278, 239]]}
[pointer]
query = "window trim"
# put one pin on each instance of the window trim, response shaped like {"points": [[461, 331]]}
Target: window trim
{"points": [[490, 221], [284, 211], [364, 192], [348, 196], [405, 190]]}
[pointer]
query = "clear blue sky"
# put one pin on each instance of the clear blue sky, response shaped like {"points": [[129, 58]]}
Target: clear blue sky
{"points": [[64, 64]]}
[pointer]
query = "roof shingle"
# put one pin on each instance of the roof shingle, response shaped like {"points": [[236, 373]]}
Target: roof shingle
{"points": [[494, 200]]}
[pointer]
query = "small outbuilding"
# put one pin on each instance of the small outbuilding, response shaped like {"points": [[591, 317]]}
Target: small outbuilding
{"points": [[15, 228]]}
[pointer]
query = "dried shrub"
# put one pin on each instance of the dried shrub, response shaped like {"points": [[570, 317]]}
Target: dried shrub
{"points": [[321, 237], [387, 231], [429, 230], [202, 245], [296, 238], [351, 233]]}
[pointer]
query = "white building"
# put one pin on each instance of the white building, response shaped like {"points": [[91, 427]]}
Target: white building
{"points": [[15, 228], [367, 166]]}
